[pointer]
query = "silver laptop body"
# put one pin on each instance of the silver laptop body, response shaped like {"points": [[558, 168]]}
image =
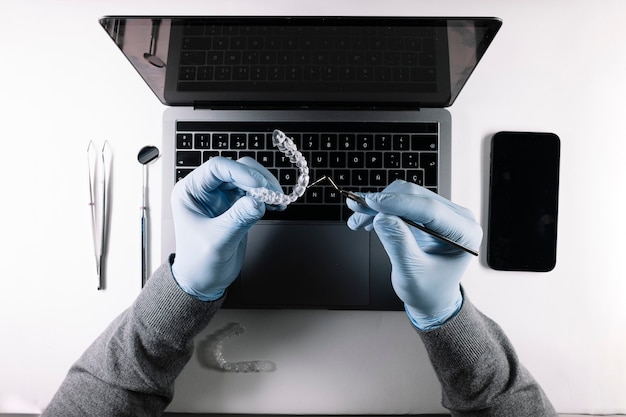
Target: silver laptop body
{"points": [[364, 98]]}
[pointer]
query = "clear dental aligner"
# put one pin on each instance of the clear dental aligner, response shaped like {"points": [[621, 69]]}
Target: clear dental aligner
{"points": [[289, 149], [213, 357]]}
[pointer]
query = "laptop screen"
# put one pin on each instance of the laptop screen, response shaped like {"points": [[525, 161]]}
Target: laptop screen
{"points": [[233, 61]]}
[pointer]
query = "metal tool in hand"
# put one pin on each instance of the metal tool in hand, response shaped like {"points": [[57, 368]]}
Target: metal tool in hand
{"points": [[361, 201]]}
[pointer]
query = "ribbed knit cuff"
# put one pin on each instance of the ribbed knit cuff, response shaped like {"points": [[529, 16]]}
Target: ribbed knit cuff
{"points": [[462, 339], [169, 310]]}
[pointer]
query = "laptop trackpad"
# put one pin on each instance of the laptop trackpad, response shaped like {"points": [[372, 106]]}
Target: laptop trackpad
{"points": [[306, 265]]}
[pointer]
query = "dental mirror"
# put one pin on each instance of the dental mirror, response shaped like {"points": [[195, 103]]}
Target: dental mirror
{"points": [[146, 155], [150, 56]]}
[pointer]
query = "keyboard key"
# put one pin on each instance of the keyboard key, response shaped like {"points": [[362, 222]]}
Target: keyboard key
{"points": [[266, 159], [193, 58], [416, 176], [204, 73], [396, 174], [241, 73], [382, 142], [347, 142], [337, 160], [314, 195], [321, 172], [410, 160], [258, 73], [428, 162], [319, 159], [374, 160], [250, 58], [287, 177], [187, 74], [182, 173], [382, 74], [238, 141], [256, 141], [282, 161], [220, 43], [331, 195], [365, 142], [401, 143], [378, 178], [276, 73], [311, 142], [360, 177], [188, 158], [424, 142], [391, 159], [202, 140], [328, 142], [342, 177], [232, 57], [215, 58], [184, 141], [297, 139], [206, 155], [255, 42], [356, 159], [223, 73], [346, 74], [219, 141]]}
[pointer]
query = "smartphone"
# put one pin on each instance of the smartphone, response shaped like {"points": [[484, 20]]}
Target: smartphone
{"points": [[523, 201]]}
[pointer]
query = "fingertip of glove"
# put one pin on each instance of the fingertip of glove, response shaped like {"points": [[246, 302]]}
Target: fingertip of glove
{"points": [[358, 221], [352, 223]]}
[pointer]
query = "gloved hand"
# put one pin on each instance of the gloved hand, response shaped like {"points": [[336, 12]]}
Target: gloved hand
{"points": [[212, 216], [426, 271]]}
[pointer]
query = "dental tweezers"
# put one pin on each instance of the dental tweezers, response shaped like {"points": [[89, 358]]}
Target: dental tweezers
{"points": [[98, 200], [361, 201]]}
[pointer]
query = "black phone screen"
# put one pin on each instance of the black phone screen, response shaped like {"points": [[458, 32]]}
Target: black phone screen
{"points": [[523, 201]]}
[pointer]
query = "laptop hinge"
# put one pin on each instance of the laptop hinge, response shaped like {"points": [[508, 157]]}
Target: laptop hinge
{"points": [[201, 105]]}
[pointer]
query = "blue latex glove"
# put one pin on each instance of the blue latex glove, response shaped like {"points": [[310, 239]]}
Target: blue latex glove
{"points": [[212, 216], [426, 272]]}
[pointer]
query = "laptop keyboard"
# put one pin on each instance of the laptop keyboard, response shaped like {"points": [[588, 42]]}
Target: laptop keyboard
{"points": [[358, 156], [324, 54]]}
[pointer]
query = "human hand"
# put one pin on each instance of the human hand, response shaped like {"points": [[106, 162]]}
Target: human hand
{"points": [[212, 216], [425, 271]]}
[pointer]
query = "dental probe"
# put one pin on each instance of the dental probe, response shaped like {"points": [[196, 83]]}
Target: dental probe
{"points": [[361, 201]]}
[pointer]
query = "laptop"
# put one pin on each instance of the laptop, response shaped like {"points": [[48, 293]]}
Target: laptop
{"points": [[364, 100]]}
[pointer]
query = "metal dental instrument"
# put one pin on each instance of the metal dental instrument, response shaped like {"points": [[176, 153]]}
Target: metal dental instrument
{"points": [[93, 162], [98, 201], [146, 155], [360, 200]]}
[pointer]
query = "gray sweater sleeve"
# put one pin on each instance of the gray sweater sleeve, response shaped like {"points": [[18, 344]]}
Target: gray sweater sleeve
{"points": [[479, 371], [130, 369]]}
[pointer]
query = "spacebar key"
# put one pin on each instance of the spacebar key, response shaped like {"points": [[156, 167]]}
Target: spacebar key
{"points": [[306, 212]]}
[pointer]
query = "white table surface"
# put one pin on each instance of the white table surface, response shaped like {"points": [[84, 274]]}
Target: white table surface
{"points": [[555, 66]]}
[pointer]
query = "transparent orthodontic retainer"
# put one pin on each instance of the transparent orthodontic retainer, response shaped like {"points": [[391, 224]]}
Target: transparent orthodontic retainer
{"points": [[288, 148], [211, 353]]}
